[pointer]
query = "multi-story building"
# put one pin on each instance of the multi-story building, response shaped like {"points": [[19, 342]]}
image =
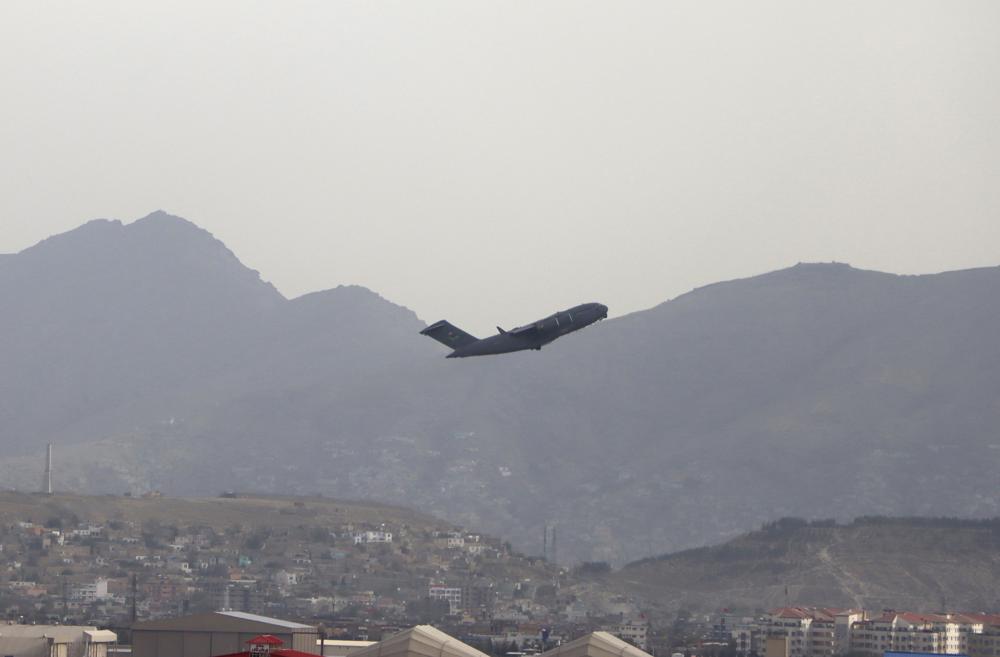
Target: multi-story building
{"points": [[745, 636], [243, 596], [372, 537], [87, 593], [912, 632], [632, 630], [452, 594], [843, 624], [56, 640], [811, 631], [986, 642], [478, 599], [825, 632]]}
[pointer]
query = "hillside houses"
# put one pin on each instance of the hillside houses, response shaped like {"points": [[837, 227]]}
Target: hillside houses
{"points": [[66, 569]]}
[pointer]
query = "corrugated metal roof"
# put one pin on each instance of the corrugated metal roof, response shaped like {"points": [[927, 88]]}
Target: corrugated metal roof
{"points": [[257, 618], [224, 621]]}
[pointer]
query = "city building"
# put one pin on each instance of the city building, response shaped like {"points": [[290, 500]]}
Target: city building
{"points": [[216, 633], [986, 642], [914, 633], [419, 641], [452, 594], [55, 641], [596, 644], [810, 631], [632, 631], [372, 537], [87, 593], [341, 647]]}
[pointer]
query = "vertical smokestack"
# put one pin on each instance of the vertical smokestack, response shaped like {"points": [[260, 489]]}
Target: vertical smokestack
{"points": [[545, 542], [554, 557], [47, 484]]}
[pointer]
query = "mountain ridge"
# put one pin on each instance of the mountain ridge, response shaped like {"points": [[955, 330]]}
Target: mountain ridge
{"points": [[870, 562], [818, 388]]}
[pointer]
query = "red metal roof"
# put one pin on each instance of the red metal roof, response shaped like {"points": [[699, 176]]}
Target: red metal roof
{"points": [[816, 613], [281, 652], [265, 640]]}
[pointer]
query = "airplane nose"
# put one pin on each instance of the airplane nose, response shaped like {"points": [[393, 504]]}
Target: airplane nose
{"points": [[602, 310]]}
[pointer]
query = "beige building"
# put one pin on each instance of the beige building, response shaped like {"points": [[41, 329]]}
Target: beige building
{"points": [[842, 628], [946, 634], [811, 631], [596, 644], [827, 632], [632, 631], [55, 641], [419, 641], [216, 633], [340, 647]]}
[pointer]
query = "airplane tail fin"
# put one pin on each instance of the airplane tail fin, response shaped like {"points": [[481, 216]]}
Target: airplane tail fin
{"points": [[448, 335]]}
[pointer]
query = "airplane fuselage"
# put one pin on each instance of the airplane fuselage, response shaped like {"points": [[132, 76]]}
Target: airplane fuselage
{"points": [[530, 336]]}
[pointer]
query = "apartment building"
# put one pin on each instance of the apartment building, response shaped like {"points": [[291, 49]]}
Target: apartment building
{"points": [[827, 632], [906, 631], [634, 631], [811, 631], [91, 592], [986, 642], [452, 594]]}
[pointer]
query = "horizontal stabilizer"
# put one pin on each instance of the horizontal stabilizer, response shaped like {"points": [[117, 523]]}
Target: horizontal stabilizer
{"points": [[448, 335]]}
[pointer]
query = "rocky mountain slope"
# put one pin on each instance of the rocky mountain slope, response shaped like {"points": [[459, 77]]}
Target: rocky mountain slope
{"points": [[920, 564], [154, 360]]}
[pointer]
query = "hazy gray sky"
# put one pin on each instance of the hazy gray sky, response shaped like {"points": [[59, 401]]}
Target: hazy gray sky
{"points": [[490, 162]]}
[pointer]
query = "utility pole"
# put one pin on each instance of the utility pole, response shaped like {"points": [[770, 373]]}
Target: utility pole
{"points": [[134, 594]]}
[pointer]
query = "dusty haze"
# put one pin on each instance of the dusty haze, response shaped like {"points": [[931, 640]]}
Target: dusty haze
{"points": [[488, 162]]}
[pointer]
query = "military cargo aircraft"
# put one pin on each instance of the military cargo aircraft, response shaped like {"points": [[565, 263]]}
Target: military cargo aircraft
{"points": [[530, 336]]}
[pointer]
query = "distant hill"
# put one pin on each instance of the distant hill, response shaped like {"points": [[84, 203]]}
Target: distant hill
{"points": [[250, 511], [154, 359], [920, 564]]}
